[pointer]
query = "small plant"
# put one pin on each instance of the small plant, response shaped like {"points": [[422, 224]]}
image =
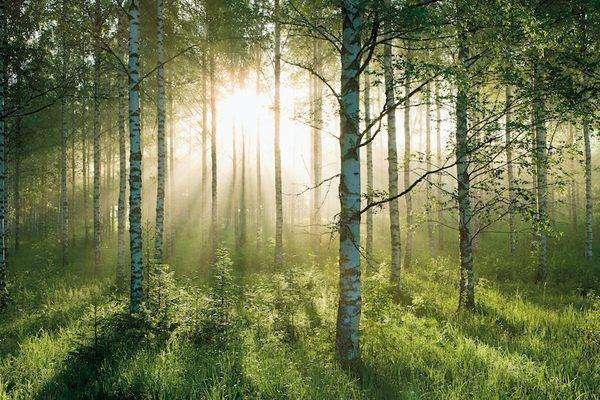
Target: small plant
{"points": [[219, 318]]}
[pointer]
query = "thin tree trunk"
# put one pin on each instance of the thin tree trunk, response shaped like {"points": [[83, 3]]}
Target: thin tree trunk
{"points": [[394, 214], [277, 117], [17, 186], [573, 192], [96, 137], [213, 157], [317, 122], [241, 236], [231, 211], [406, 167], [367, 114], [512, 238], [135, 160], [467, 284], [259, 199], [63, 148], [589, 233], [121, 202], [160, 139], [428, 202], [73, 179], [349, 305], [438, 129], [204, 134], [85, 173], [3, 82], [541, 163]]}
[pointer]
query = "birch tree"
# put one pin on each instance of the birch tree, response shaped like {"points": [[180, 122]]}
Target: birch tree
{"points": [[349, 304], [392, 152], [135, 159], [3, 263], [467, 283], [369, 151], [541, 172], [160, 143]]}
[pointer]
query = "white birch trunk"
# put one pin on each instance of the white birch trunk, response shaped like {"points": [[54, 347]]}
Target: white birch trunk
{"points": [[135, 159], [349, 305]]}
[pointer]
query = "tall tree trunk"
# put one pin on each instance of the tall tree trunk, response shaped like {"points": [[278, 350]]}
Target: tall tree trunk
{"points": [[241, 234], [277, 117], [3, 82], [541, 163], [73, 178], [430, 238], [160, 139], [589, 234], [406, 167], [317, 122], [231, 211], [349, 305], [213, 158], [573, 192], [440, 195], [85, 173], [512, 238], [172, 204], [368, 139], [17, 186], [121, 202], [467, 279], [204, 138], [135, 160], [259, 198], [63, 154], [96, 137], [392, 152]]}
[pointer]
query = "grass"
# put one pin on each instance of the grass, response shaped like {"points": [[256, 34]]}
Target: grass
{"points": [[256, 333]]}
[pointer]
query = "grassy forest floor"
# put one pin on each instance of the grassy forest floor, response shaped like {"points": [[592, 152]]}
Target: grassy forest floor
{"points": [[250, 332]]}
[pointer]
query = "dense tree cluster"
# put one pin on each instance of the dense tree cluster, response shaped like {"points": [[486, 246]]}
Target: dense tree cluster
{"points": [[493, 105]]}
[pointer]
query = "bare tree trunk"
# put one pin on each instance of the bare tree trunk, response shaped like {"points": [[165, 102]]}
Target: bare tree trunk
{"points": [[589, 217], [349, 305], [241, 234], [3, 83], [406, 167], [213, 158], [541, 163], [467, 279], [392, 164], [317, 122], [121, 202], [63, 147], [96, 137], [512, 239], [428, 203], [440, 195], [259, 199], [135, 160], [368, 139], [573, 192], [277, 117], [160, 142]]}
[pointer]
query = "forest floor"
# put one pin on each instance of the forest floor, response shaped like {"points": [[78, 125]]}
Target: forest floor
{"points": [[258, 334]]}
